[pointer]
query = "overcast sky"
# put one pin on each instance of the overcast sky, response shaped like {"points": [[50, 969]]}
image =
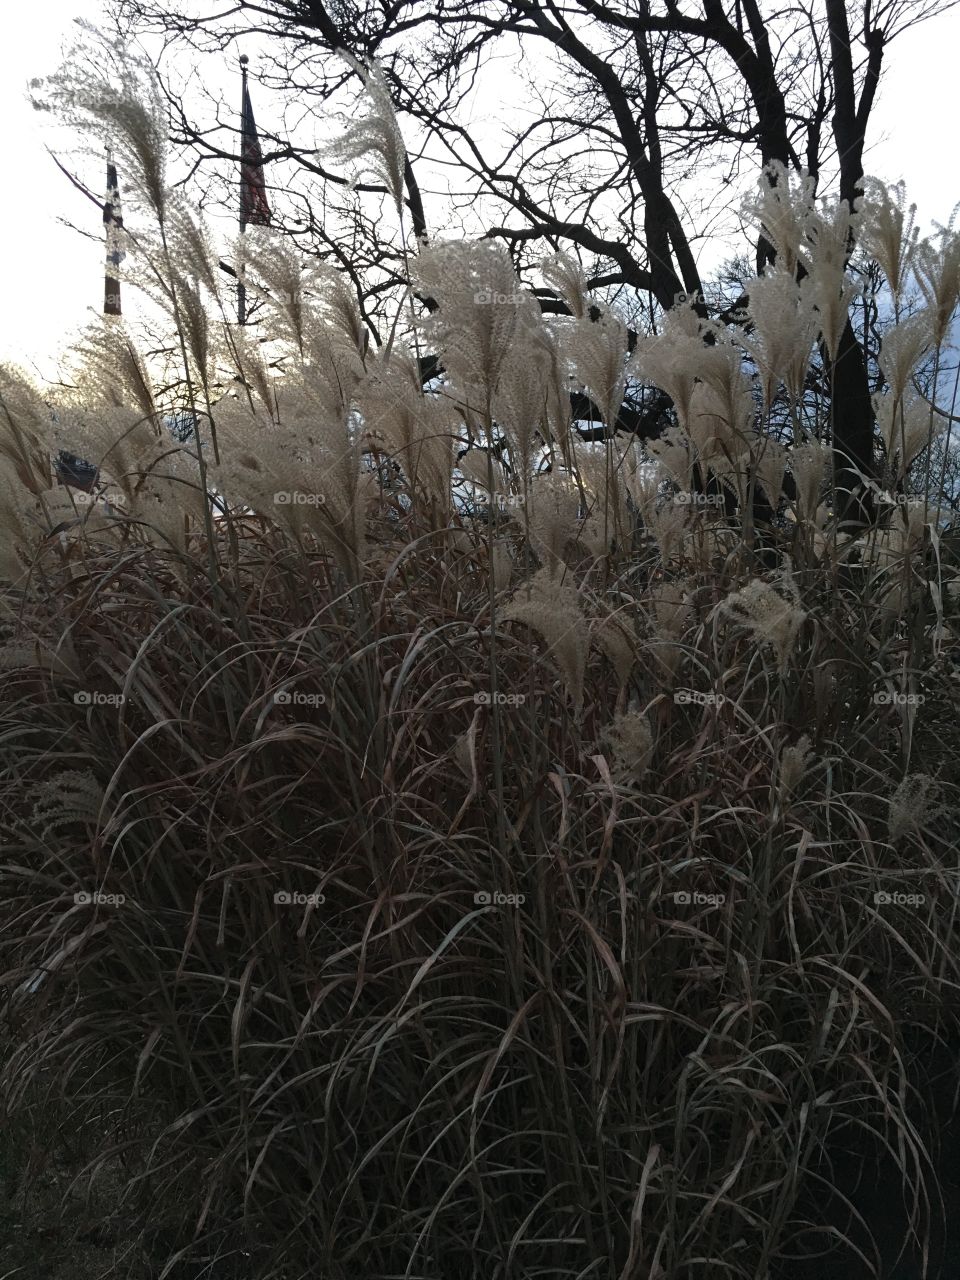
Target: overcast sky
{"points": [[53, 275]]}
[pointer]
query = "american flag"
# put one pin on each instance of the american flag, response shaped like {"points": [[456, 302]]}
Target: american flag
{"points": [[113, 229], [254, 209]]}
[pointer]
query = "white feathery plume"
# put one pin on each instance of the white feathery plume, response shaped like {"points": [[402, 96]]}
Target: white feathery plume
{"points": [[732, 467], [192, 247], [785, 329], [19, 529], [118, 440], [417, 427], [720, 366], [829, 236], [671, 449], [245, 355], [794, 763], [640, 476], [564, 275], [808, 465], [104, 89], [910, 525], [313, 312], [474, 468], [501, 566], [550, 606], [333, 370], [25, 430], [113, 369], [273, 267], [545, 340], [188, 310], [339, 302], [597, 351], [708, 427], [605, 515], [484, 315], [903, 347], [672, 607], [630, 739], [772, 618], [673, 359], [552, 515], [520, 406], [156, 479], [770, 461], [616, 638], [302, 472], [938, 271], [888, 232], [376, 135], [670, 524], [905, 428], [914, 804], [782, 210]]}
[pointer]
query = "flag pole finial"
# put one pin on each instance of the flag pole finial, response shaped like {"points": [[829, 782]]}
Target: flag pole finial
{"points": [[244, 59]]}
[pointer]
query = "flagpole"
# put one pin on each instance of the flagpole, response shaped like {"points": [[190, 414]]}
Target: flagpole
{"points": [[241, 290], [112, 225]]}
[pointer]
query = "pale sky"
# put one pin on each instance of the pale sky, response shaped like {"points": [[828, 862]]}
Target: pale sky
{"points": [[53, 276]]}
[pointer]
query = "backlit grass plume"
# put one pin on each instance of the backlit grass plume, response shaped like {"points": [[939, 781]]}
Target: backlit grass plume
{"points": [[889, 233], [415, 428], [772, 616], [375, 137], [484, 314], [112, 97], [548, 605]]}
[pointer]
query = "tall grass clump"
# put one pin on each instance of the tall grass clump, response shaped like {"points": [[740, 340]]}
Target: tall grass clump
{"points": [[518, 896]]}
